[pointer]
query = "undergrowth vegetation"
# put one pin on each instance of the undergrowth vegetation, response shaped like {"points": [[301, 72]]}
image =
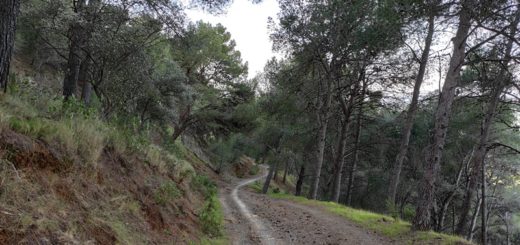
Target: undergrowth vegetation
{"points": [[211, 215], [167, 192], [80, 132], [85, 143], [273, 187]]}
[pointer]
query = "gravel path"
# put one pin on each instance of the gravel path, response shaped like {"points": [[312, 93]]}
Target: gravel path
{"points": [[253, 218]]}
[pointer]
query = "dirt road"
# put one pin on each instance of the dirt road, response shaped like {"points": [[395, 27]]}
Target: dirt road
{"points": [[253, 218]]}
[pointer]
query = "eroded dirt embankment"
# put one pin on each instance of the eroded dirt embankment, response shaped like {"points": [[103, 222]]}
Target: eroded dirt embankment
{"points": [[253, 218], [48, 197]]}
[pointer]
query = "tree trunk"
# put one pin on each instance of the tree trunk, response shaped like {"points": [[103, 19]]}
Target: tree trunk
{"points": [[453, 219], [91, 9], [185, 119], [353, 167], [177, 131], [422, 219], [508, 232], [410, 114], [480, 153], [84, 80], [270, 175], [469, 234], [8, 12], [483, 208], [338, 168], [446, 203], [299, 182], [70, 80], [340, 157], [286, 169], [323, 120], [76, 36]]}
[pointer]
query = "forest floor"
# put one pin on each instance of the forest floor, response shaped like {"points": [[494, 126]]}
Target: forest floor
{"points": [[252, 218]]}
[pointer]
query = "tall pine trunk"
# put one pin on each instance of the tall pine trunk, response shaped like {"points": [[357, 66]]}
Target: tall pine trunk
{"points": [[422, 219], [299, 182], [338, 166], [270, 176], [75, 35], [447, 200], [410, 114], [483, 208], [353, 167], [84, 80], [8, 12], [340, 157], [480, 153], [469, 235], [323, 120], [285, 170]]}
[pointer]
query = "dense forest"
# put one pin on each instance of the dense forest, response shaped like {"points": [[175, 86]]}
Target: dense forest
{"points": [[404, 107]]}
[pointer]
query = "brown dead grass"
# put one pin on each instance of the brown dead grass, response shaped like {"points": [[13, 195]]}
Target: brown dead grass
{"points": [[243, 166], [46, 198], [25, 152]]}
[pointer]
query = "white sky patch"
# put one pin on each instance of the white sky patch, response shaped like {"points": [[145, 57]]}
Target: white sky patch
{"points": [[247, 23]]}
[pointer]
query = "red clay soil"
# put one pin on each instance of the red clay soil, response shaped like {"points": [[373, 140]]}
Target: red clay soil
{"points": [[88, 199], [25, 152]]}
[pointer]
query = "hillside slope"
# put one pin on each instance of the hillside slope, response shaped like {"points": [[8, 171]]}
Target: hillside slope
{"points": [[72, 179]]}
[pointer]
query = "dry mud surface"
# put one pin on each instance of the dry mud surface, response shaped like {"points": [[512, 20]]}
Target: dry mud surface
{"points": [[253, 218]]}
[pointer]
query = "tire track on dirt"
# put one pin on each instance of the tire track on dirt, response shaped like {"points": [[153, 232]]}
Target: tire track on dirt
{"points": [[259, 228], [253, 218]]}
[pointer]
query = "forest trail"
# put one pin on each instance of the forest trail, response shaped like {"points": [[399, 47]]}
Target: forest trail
{"points": [[252, 218]]}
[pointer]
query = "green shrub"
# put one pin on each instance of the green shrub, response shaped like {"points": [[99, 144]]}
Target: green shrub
{"points": [[65, 136], [254, 170], [18, 107], [176, 148], [203, 184], [90, 138], [408, 212], [79, 136], [167, 192], [117, 141], [257, 186], [211, 217], [392, 210], [183, 170], [33, 127], [72, 108], [76, 129], [125, 140], [169, 160], [4, 120], [164, 161], [154, 156]]}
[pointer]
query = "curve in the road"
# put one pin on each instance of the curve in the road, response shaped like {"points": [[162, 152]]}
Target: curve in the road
{"points": [[258, 226]]}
